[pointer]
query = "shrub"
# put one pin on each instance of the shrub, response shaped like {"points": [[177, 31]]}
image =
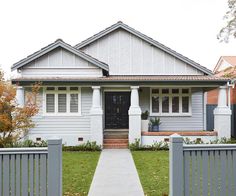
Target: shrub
{"points": [[27, 143], [88, 146], [155, 146]]}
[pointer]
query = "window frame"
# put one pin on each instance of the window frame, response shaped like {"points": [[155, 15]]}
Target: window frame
{"points": [[171, 95], [68, 93]]}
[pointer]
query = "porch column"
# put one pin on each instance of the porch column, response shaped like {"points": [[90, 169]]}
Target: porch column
{"points": [[96, 113], [222, 115], [20, 96], [134, 116]]}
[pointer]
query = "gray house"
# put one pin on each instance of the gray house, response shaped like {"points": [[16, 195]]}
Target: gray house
{"points": [[97, 90]]}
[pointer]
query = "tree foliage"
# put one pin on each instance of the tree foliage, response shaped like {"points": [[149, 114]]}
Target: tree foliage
{"points": [[15, 121], [229, 30]]}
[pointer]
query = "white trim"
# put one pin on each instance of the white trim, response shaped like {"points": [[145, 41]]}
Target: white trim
{"points": [[68, 92], [170, 95]]}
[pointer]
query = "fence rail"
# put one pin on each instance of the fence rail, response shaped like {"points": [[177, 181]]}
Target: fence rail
{"points": [[202, 169], [31, 171]]}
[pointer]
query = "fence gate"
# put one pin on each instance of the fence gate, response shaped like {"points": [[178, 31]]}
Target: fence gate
{"points": [[197, 170], [31, 171]]}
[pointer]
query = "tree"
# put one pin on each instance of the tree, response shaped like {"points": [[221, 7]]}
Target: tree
{"points": [[229, 30], [15, 121]]}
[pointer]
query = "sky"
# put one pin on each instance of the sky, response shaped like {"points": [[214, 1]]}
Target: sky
{"points": [[189, 27]]}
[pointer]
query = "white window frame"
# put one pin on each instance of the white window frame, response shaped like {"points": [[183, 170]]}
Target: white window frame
{"points": [[68, 92], [171, 95]]}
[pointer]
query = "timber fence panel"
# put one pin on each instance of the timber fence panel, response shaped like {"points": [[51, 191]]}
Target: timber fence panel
{"points": [[26, 171], [201, 170]]}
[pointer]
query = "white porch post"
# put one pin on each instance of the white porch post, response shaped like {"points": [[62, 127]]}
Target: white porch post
{"points": [[96, 112], [134, 116], [20, 96], [222, 115]]}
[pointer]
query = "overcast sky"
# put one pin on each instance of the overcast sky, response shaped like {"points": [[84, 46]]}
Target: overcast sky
{"points": [[187, 26]]}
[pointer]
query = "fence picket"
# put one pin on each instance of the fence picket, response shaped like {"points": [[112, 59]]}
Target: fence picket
{"points": [[234, 172], [1, 191], [13, 172], [229, 172], [198, 187], [223, 172], [36, 182], [186, 172], [18, 173], [31, 174], [43, 175], [193, 155], [217, 176], [212, 169], [205, 167], [24, 175], [6, 175]]}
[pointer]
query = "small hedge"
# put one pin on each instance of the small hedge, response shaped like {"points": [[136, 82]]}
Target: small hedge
{"points": [[88, 146], [27, 143], [137, 146]]}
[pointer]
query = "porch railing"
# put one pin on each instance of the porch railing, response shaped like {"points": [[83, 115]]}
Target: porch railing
{"points": [[31, 171], [202, 169]]}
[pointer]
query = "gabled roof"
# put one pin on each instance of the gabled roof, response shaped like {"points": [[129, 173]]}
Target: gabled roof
{"points": [[54, 45], [147, 39]]}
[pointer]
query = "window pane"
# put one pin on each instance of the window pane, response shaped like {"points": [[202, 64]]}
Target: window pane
{"points": [[155, 104], [50, 88], [165, 91], [185, 90], [74, 103], [155, 91], [175, 104], [73, 88], [185, 104], [50, 103], [165, 104], [175, 91], [62, 88], [62, 103]]}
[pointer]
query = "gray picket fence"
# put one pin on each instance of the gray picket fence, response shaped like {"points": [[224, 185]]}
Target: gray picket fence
{"points": [[201, 169], [31, 171]]}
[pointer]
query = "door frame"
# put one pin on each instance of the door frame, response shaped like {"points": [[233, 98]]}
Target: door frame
{"points": [[111, 90]]}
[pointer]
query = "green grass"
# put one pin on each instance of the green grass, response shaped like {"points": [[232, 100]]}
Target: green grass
{"points": [[153, 170], [78, 171]]}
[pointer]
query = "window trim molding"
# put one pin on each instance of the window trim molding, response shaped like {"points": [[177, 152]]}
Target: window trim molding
{"points": [[171, 95], [68, 92]]}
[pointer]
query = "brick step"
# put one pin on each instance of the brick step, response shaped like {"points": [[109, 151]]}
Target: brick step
{"points": [[115, 146], [115, 136], [115, 141]]}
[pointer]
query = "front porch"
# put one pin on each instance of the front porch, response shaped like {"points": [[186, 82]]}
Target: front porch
{"points": [[179, 116]]}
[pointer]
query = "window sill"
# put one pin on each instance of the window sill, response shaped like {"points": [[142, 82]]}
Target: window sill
{"points": [[170, 115]]}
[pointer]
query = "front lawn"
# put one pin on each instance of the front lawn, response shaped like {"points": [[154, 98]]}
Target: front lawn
{"points": [[78, 171], [153, 170]]}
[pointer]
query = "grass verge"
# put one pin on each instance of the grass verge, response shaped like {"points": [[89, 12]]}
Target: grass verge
{"points": [[78, 171], [153, 170]]}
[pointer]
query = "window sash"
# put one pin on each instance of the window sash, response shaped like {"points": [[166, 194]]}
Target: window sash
{"points": [[63, 104], [172, 109]]}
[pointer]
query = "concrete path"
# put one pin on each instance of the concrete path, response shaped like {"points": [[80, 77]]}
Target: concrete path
{"points": [[116, 175]]}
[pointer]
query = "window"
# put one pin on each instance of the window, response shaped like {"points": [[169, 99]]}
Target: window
{"points": [[170, 101], [62, 101]]}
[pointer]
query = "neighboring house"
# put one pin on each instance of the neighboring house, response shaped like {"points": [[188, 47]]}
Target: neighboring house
{"points": [[225, 67], [97, 89]]}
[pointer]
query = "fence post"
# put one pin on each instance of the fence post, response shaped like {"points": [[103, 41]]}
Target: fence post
{"points": [[55, 167], [176, 165]]}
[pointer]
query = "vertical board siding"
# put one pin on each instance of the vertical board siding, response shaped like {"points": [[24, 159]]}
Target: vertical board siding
{"points": [[64, 125], [60, 62], [208, 169], [127, 54], [25, 171], [176, 123]]}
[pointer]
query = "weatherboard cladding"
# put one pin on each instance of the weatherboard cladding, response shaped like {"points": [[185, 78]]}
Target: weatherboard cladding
{"points": [[79, 126], [195, 122], [149, 40]]}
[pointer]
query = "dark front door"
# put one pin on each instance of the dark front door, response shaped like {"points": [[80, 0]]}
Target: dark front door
{"points": [[116, 110]]}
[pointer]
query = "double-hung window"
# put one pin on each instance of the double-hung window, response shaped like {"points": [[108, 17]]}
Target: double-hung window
{"points": [[62, 101], [170, 101]]}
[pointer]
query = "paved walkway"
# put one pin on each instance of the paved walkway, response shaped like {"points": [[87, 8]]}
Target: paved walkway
{"points": [[116, 175]]}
